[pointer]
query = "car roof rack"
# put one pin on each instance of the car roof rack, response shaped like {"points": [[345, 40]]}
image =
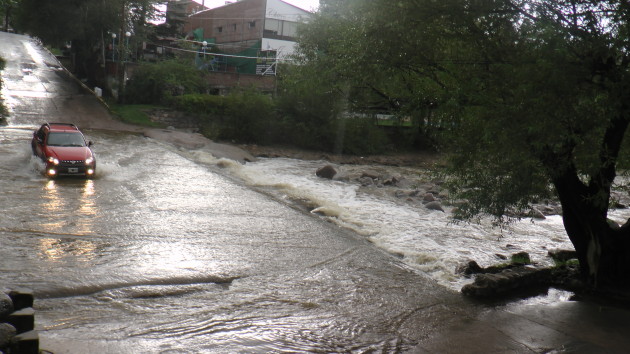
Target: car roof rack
{"points": [[66, 124], [55, 123]]}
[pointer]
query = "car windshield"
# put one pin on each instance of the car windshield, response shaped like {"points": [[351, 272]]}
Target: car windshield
{"points": [[65, 139]]}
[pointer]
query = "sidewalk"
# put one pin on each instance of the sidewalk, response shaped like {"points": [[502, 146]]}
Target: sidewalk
{"points": [[562, 327]]}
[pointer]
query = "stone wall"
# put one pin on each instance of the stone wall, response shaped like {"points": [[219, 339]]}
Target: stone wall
{"points": [[175, 119], [17, 323]]}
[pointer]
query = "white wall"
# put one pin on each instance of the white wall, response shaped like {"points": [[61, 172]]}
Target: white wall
{"points": [[284, 48], [280, 10]]}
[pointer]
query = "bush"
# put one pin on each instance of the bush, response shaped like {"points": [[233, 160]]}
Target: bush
{"points": [[362, 136], [249, 117], [200, 104], [156, 83], [243, 116], [134, 114]]}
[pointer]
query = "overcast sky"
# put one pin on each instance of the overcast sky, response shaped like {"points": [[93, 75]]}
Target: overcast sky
{"points": [[310, 5]]}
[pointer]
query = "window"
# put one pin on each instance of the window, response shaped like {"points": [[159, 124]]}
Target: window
{"points": [[252, 24], [273, 26], [289, 29], [220, 29], [234, 26], [278, 28]]}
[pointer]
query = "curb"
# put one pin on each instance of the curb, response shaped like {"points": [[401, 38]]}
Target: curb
{"points": [[17, 322], [85, 87]]}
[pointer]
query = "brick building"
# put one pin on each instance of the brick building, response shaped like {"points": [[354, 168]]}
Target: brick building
{"points": [[246, 36]]}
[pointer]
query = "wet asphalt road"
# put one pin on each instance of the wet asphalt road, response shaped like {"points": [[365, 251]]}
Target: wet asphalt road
{"points": [[163, 253]]}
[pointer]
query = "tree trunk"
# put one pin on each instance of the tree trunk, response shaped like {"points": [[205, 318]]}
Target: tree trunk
{"points": [[603, 248]]}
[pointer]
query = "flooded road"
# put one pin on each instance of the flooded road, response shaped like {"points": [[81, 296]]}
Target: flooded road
{"points": [[169, 250], [162, 253]]}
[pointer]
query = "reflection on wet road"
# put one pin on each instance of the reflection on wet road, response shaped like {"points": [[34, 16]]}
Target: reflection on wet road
{"points": [[164, 253], [159, 253]]}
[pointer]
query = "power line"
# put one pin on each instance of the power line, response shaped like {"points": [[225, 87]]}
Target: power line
{"points": [[221, 54]]}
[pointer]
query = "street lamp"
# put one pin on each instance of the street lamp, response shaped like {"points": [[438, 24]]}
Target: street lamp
{"points": [[205, 44], [113, 46]]}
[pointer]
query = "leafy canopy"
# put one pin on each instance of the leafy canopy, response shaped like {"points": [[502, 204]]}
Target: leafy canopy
{"points": [[84, 22], [527, 90]]}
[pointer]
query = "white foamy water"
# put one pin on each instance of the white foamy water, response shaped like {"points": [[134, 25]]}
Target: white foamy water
{"points": [[427, 240]]}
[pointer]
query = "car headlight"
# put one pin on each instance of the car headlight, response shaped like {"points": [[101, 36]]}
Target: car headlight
{"points": [[53, 160], [89, 161]]}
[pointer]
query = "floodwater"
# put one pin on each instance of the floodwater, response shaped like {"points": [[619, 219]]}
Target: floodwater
{"points": [[159, 253], [170, 250], [427, 240]]}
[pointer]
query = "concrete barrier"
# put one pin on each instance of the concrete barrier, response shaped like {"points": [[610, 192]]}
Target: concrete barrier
{"points": [[17, 323]]}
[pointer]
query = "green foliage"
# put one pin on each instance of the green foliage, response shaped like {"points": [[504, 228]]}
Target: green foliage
{"points": [[532, 107], [243, 116], [56, 22], [567, 263], [309, 107], [249, 118], [134, 114], [521, 93], [7, 9], [362, 136], [200, 104], [369, 50], [154, 83], [87, 25]]}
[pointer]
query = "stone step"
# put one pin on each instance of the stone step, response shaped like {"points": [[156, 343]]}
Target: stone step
{"points": [[23, 320], [22, 298], [25, 343]]}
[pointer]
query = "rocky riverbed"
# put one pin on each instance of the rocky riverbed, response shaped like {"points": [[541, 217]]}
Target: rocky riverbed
{"points": [[506, 278]]}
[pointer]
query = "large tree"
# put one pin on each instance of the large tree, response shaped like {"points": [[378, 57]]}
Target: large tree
{"points": [[7, 7], [535, 92], [85, 24]]}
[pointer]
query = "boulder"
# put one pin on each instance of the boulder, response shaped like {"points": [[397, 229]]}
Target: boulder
{"points": [[414, 193], [469, 268], [7, 332], [562, 255], [434, 206], [500, 256], [366, 181], [392, 181], [537, 214], [507, 282], [370, 173], [520, 258], [6, 305], [613, 224], [428, 197], [327, 172]]}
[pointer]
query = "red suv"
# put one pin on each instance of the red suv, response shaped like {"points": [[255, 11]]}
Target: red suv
{"points": [[64, 149]]}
